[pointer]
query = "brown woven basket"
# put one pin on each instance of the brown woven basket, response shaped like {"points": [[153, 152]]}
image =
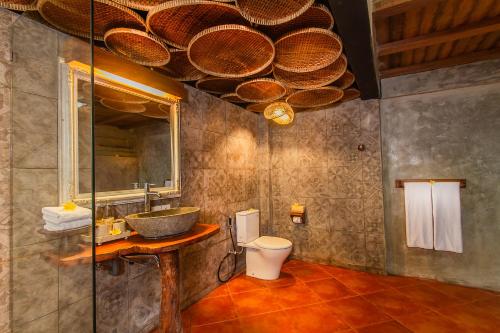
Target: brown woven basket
{"points": [[20, 5], [179, 67], [258, 107], [232, 98], [218, 85], [315, 97], [231, 51], [350, 94], [307, 50], [314, 79], [345, 81], [272, 12], [178, 21], [265, 72], [73, 16], [261, 90], [145, 5], [102, 92], [316, 16], [138, 46], [123, 106]]}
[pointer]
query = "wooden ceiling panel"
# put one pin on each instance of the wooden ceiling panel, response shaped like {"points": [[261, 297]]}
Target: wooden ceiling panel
{"points": [[415, 35]]}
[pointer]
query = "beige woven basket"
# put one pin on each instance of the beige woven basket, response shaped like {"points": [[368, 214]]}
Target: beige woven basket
{"points": [[272, 12], [179, 67], [316, 16], [279, 112], [218, 85], [232, 98], [307, 50], [102, 92], [261, 90], [315, 97], [20, 5], [314, 79], [123, 106], [141, 4], [178, 21], [138, 46], [231, 51], [73, 16], [350, 94], [345, 81]]}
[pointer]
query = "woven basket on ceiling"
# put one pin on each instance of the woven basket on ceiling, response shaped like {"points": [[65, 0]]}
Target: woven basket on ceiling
{"points": [[138, 46], [178, 21], [261, 90], [102, 92], [141, 4], [314, 79], [350, 94], [307, 50], [258, 107], [179, 68], [316, 16], [315, 97], [345, 81], [272, 12], [231, 50], [265, 72], [218, 85], [155, 110], [20, 5], [123, 106], [73, 16], [232, 98]]}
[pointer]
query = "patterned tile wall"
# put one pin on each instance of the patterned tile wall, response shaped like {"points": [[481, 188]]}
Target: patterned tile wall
{"points": [[315, 161]]}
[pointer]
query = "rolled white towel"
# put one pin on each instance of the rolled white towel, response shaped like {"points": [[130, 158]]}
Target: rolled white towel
{"points": [[67, 225], [59, 215]]}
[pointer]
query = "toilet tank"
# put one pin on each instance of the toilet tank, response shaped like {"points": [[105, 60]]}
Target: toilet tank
{"points": [[247, 225]]}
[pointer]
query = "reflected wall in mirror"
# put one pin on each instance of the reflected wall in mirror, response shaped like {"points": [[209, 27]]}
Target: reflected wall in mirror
{"points": [[135, 139]]}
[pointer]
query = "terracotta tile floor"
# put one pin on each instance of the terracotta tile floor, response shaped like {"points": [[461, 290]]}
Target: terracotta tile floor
{"points": [[318, 298]]}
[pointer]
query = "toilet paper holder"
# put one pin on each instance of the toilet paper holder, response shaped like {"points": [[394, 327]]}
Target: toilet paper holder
{"points": [[297, 213]]}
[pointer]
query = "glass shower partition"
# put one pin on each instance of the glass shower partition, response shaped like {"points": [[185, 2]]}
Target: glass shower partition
{"points": [[48, 291]]}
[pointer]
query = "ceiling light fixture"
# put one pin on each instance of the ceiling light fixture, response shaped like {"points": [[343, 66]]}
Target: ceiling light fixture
{"points": [[279, 112]]}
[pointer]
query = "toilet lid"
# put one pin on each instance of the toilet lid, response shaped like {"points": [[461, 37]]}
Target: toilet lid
{"points": [[272, 243]]}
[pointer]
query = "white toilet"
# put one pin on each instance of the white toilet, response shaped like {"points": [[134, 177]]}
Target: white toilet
{"points": [[265, 254]]}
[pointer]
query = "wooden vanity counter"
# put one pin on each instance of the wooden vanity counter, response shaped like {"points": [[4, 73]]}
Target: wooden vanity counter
{"points": [[168, 252]]}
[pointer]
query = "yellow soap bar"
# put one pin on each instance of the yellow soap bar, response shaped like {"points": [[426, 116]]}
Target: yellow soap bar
{"points": [[69, 206]]}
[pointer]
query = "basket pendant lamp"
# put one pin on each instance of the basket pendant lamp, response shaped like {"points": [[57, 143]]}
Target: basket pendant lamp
{"points": [[279, 112]]}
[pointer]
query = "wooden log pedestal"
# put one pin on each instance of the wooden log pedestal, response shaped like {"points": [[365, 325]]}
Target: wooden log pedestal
{"points": [[168, 252]]}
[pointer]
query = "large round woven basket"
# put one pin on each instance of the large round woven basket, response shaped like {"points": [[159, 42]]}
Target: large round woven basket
{"points": [[307, 50], [141, 4], [350, 94], [345, 81], [123, 106], [316, 16], [20, 5], [232, 98], [314, 79], [73, 16], [315, 97], [102, 92], [178, 21], [261, 90], [231, 51], [258, 107], [272, 12], [218, 85], [265, 72], [179, 67], [138, 46]]}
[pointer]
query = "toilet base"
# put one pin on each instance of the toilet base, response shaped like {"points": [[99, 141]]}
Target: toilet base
{"points": [[265, 264]]}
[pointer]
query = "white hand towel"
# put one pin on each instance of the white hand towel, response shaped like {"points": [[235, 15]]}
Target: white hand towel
{"points": [[61, 215], [67, 225], [447, 216], [54, 220], [418, 205]]}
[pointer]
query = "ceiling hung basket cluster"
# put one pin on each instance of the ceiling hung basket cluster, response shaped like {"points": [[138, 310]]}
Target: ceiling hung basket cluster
{"points": [[249, 52]]}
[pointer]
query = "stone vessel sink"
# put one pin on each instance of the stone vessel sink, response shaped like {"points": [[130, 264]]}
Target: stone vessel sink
{"points": [[164, 223]]}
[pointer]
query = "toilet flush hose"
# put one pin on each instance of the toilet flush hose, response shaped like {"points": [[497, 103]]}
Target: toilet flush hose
{"points": [[232, 252]]}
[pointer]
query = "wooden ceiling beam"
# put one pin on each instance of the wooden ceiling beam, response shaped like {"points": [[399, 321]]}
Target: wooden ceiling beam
{"points": [[453, 61], [461, 32], [385, 8]]}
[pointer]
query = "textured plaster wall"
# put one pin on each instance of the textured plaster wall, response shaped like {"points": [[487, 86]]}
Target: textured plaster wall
{"points": [[446, 123], [315, 161]]}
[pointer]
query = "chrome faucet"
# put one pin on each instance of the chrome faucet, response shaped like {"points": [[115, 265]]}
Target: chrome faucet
{"points": [[147, 196]]}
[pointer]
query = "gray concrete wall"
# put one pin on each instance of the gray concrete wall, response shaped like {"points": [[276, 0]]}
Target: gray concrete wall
{"points": [[445, 124]]}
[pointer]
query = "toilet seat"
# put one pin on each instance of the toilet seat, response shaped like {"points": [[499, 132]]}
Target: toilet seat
{"points": [[272, 243]]}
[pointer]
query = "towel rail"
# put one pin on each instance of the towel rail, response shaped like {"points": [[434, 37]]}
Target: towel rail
{"points": [[400, 183]]}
